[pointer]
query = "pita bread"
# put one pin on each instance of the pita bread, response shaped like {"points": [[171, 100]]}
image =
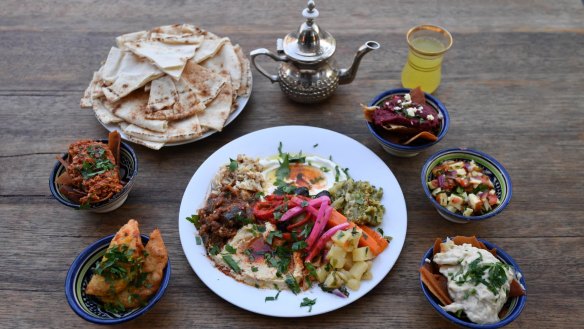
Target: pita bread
{"points": [[217, 112], [130, 37], [148, 144], [87, 100], [111, 67], [132, 73], [170, 58], [226, 63], [162, 93], [245, 72], [177, 131], [209, 47], [103, 114], [196, 88], [133, 109]]}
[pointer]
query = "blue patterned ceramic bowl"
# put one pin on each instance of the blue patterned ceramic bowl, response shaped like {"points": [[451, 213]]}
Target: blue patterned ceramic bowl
{"points": [[491, 167], [515, 305], [87, 306], [128, 171], [407, 151]]}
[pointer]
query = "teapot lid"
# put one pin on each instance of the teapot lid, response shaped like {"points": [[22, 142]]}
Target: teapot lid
{"points": [[310, 44]]}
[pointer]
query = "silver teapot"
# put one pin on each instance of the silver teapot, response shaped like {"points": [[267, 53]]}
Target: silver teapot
{"points": [[308, 72]]}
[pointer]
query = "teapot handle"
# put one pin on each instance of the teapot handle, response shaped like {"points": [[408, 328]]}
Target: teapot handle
{"points": [[263, 51]]}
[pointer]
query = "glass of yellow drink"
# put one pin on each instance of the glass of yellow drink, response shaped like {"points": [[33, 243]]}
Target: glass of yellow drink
{"points": [[427, 44]]}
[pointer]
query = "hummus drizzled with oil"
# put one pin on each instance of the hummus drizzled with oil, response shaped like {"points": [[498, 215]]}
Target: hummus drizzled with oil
{"points": [[478, 282]]}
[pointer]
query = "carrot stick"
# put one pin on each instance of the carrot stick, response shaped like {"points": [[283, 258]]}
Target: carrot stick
{"points": [[372, 234], [374, 245]]}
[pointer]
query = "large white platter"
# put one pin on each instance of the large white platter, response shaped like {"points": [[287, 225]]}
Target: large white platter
{"points": [[363, 164]]}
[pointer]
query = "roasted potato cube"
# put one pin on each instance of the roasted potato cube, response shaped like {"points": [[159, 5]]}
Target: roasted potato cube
{"points": [[362, 254], [358, 269], [353, 284]]}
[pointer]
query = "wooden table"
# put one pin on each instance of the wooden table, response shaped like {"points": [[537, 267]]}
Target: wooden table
{"points": [[513, 83]]}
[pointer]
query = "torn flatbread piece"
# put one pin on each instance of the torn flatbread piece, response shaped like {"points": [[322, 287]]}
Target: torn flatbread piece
{"points": [[209, 47], [226, 63], [87, 100], [169, 58], [103, 114], [131, 37], [245, 72], [162, 93], [196, 88], [177, 131], [133, 109], [217, 112], [132, 74]]}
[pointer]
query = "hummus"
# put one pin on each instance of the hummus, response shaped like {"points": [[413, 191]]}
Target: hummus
{"points": [[249, 259], [478, 282]]}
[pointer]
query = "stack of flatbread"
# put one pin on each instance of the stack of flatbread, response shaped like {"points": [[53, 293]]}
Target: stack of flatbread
{"points": [[170, 84]]}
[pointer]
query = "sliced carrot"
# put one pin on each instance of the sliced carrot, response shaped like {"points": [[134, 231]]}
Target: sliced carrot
{"points": [[376, 247], [372, 234]]}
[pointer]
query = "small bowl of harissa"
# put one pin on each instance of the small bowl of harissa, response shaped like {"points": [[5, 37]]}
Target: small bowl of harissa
{"points": [[406, 121], [472, 283], [95, 175]]}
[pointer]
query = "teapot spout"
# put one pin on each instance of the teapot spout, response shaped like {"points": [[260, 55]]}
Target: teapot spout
{"points": [[348, 75]]}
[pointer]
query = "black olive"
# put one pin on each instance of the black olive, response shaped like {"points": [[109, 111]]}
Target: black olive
{"points": [[302, 191], [323, 192], [282, 226]]}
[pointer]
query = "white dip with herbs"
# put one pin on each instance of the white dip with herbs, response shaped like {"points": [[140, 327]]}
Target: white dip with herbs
{"points": [[478, 282]]}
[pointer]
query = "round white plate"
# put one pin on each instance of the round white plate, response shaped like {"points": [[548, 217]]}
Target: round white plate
{"points": [[363, 164], [241, 102]]}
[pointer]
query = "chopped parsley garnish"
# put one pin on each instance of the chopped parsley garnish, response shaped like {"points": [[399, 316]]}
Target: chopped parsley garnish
{"points": [[249, 253], [304, 204], [271, 236], [311, 269], [496, 275], [307, 302], [99, 166], [195, 220], [232, 165], [325, 169], [315, 145], [214, 250], [270, 299], [230, 249], [231, 263], [306, 230], [337, 173], [380, 230], [254, 269], [292, 284], [299, 245], [198, 240]]}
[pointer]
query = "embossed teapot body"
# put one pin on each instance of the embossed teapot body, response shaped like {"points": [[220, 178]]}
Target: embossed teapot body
{"points": [[308, 72]]}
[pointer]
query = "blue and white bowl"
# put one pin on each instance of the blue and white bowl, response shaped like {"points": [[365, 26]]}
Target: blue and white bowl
{"points": [[515, 305], [89, 308], [407, 151], [492, 168], [128, 171]]}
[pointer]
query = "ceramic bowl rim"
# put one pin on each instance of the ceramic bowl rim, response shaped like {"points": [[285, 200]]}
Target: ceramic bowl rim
{"points": [[483, 156], [439, 107], [78, 263], [125, 189], [521, 300]]}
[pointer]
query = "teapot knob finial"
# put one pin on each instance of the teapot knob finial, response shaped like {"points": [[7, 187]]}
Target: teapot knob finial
{"points": [[311, 12]]}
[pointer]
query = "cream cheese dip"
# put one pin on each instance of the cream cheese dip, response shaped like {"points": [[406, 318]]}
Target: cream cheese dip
{"points": [[478, 282]]}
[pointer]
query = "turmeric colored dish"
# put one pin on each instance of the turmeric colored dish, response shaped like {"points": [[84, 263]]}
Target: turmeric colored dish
{"points": [[471, 282], [129, 272]]}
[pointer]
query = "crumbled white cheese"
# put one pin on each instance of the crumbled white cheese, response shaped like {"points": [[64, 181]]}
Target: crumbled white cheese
{"points": [[430, 117], [407, 97], [411, 111]]}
